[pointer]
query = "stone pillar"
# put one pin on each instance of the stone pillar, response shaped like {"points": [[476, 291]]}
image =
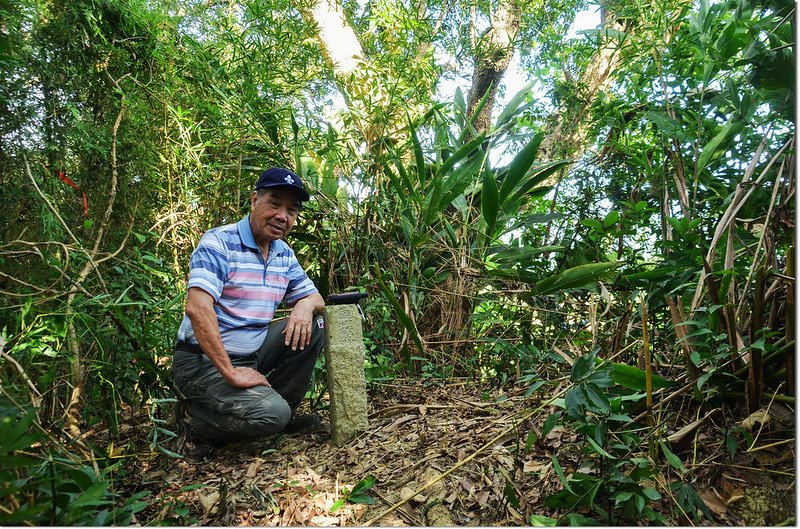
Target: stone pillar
{"points": [[344, 358]]}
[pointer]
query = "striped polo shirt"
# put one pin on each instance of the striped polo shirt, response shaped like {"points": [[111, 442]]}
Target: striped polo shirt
{"points": [[229, 265]]}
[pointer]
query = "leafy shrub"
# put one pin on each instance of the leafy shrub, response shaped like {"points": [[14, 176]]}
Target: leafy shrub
{"points": [[52, 487]]}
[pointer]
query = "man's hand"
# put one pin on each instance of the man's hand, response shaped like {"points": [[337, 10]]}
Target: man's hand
{"points": [[200, 309], [298, 329], [245, 377]]}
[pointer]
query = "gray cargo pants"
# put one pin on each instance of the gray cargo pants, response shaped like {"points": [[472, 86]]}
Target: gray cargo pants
{"points": [[221, 413]]}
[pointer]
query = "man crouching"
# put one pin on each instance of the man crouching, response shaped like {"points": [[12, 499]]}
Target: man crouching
{"points": [[238, 373]]}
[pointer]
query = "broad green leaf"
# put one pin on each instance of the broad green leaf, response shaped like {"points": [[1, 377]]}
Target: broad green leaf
{"points": [[575, 402], [362, 498], [451, 233], [458, 181], [476, 112], [597, 398], [460, 107], [536, 385], [364, 485], [560, 474], [398, 309], [431, 204], [537, 175], [672, 459], [623, 496], [512, 107], [703, 379], [419, 157], [469, 148], [519, 167], [550, 423], [94, 496], [592, 223], [583, 366], [522, 254], [599, 449], [652, 493], [538, 520], [489, 201], [710, 149], [572, 278], [511, 495], [671, 128], [530, 440], [611, 219], [401, 188], [634, 378], [14, 433]]}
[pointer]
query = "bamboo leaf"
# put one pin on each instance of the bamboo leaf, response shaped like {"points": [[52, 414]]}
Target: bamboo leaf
{"points": [[599, 449], [522, 255], [477, 110], [460, 108], [459, 181], [431, 204]]}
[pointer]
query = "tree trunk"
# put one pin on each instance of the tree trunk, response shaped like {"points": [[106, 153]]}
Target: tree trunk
{"points": [[493, 53], [339, 42], [569, 133]]}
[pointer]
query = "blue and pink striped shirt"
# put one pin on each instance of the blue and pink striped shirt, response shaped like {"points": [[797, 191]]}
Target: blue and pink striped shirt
{"points": [[229, 265]]}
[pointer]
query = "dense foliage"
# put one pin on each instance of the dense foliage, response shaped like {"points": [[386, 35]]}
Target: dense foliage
{"points": [[659, 231]]}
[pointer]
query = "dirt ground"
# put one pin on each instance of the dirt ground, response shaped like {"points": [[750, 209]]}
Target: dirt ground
{"points": [[467, 444]]}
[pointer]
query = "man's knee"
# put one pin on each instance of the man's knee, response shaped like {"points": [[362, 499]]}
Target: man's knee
{"points": [[269, 417]]}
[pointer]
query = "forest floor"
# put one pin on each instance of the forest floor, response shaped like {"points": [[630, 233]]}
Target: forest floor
{"points": [[469, 440]]}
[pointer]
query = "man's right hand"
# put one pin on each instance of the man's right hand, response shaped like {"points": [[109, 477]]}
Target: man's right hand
{"points": [[245, 377]]}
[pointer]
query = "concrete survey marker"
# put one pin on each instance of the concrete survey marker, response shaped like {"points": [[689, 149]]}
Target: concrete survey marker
{"points": [[344, 356]]}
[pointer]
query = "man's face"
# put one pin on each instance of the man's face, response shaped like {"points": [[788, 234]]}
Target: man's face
{"points": [[273, 213]]}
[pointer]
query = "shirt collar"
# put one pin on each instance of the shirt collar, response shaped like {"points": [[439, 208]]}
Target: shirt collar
{"points": [[246, 234]]}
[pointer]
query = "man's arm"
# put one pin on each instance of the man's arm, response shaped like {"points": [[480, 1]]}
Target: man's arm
{"points": [[200, 309], [298, 328]]}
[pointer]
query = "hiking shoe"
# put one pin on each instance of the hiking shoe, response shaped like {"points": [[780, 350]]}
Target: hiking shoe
{"points": [[302, 423], [186, 442]]}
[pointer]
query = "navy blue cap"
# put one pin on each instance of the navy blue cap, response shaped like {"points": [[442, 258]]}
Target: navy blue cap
{"points": [[279, 177]]}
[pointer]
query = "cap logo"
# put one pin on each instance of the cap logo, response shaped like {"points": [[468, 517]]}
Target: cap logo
{"points": [[289, 179]]}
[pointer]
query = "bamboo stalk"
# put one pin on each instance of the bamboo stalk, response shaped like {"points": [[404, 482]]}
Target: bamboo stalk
{"points": [[680, 332], [648, 365], [780, 398], [790, 315], [784, 347], [778, 443], [739, 199], [755, 374]]}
